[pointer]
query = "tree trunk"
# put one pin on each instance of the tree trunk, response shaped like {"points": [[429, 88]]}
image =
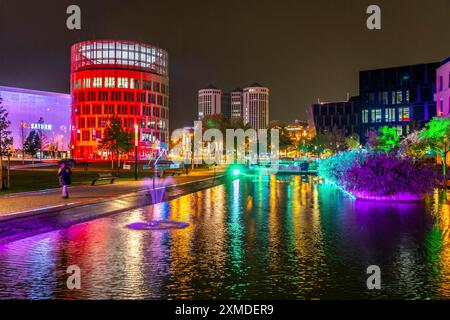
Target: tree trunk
{"points": [[118, 163], [112, 160], [444, 165], [8, 181]]}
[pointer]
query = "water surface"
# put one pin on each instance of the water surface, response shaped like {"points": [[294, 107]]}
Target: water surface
{"points": [[253, 238]]}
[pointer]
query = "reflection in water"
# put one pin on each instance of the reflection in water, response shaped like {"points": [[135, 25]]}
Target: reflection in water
{"points": [[266, 237]]}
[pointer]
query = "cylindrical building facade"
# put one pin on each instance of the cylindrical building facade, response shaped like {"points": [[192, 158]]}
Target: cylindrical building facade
{"points": [[123, 79]]}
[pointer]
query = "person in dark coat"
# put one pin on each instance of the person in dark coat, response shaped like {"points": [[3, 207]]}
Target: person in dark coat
{"points": [[65, 181]]}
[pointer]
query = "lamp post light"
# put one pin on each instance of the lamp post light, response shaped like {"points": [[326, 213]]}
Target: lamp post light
{"points": [[136, 145]]}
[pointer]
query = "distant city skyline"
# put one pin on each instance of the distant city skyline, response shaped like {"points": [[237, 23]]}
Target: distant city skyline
{"points": [[300, 58]]}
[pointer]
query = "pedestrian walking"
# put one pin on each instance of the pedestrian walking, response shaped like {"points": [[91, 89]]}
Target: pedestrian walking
{"points": [[65, 180]]}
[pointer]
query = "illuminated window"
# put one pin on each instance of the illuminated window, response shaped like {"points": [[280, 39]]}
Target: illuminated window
{"points": [[134, 84], [97, 82], [376, 115], [87, 83], [365, 116], [122, 83], [399, 97], [403, 114], [390, 115], [77, 84], [110, 82]]}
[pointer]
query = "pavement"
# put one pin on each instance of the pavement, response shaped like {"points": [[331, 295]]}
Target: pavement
{"points": [[19, 205]]}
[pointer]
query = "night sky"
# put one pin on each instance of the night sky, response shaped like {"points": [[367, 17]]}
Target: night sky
{"points": [[301, 50]]}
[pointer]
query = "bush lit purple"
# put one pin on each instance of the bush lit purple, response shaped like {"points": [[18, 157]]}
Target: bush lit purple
{"points": [[378, 173]]}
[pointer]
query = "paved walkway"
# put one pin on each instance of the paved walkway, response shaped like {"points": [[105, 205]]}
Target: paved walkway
{"points": [[26, 203]]}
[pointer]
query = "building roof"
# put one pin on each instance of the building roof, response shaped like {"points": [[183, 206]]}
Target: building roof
{"points": [[211, 87], [237, 90], [445, 61], [433, 64], [256, 85], [35, 92]]}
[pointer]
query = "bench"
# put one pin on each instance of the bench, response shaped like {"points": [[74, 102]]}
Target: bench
{"points": [[104, 177]]}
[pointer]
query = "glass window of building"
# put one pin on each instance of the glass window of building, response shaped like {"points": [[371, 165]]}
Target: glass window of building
{"points": [[399, 97], [365, 116], [385, 99], [376, 115], [87, 83], [110, 82], [97, 82], [134, 84], [403, 114], [122, 83], [390, 115]]}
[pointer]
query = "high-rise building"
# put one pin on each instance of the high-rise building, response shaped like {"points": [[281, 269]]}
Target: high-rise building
{"points": [[236, 97], [399, 97], [442, 96], [122, 79], [256, 106], [342, 116], [209, 101], [225, 105]]}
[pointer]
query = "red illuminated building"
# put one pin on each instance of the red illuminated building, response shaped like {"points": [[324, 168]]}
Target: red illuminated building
{"points": [[123, 79]]}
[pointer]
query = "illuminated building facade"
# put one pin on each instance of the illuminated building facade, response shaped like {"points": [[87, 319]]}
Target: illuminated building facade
{"points": [[209, 101], [45, 112], [299, 131], [256, 106], [399, 97], [122, 79], [442, 96], [236, 104], [342, 116]]}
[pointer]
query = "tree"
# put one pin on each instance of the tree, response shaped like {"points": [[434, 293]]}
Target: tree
{"points": [[33, 144], [42, 137], [436, 136], [285, 140], [317, 145], [116, 139], [6, 141], [352, 142], [413, 146], [386, 139]]}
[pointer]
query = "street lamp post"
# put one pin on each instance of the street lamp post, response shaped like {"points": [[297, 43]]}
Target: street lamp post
{"points": [[22, 127], [136, 145]]}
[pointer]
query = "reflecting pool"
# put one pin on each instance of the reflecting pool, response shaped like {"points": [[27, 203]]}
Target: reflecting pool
{"points": [[273, 237]]}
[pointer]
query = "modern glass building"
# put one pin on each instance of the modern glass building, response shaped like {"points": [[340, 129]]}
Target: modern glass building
{"points": [[342, 116], [400, 97], [46, 112], [123, 79]]}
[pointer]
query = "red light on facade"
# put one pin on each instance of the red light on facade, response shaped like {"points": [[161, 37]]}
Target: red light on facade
{"points": [[122, 79]]}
